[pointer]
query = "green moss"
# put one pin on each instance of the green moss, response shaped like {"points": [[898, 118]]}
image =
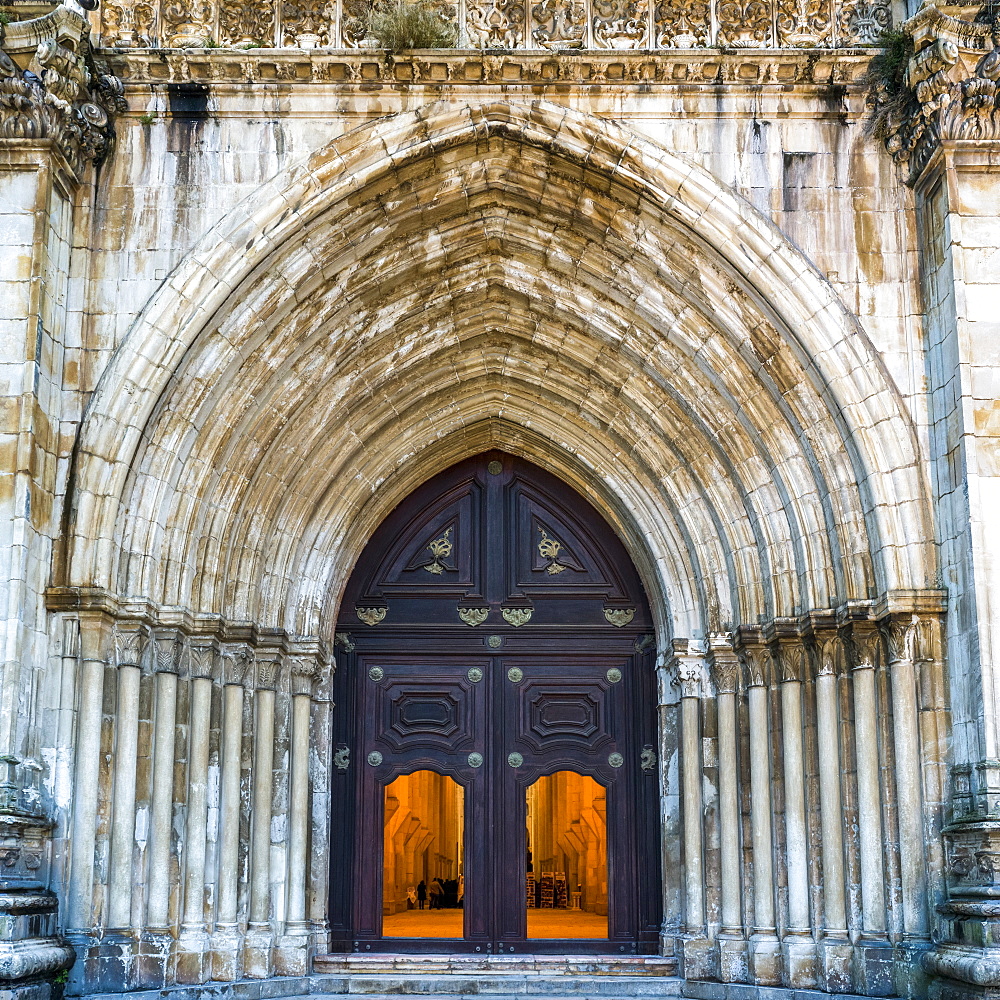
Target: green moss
{"points": [[399, 25], [890, 99]]}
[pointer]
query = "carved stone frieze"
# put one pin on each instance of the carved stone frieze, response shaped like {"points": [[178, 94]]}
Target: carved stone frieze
{"points": [[244, 25], [620, 24], [950, 91], [861, 22], [745, 24], [189, 24], [803, 24], [495, 24], [683, 24], [308, 23], [129, 23], [559, 24]]}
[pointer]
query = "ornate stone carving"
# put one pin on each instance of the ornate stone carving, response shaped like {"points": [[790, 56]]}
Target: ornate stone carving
{"points": [[237, 659], [246, 24], [308, 23], [559, 24], [268, 670], [169, 646], [861, 22], [952, 82], [304, 671], [620, 24], [682, 24], [201, 658], [827, 654], [128, 23], [53, 87], [803, 24], [129, 644], [901, 638], [725, 666], [755, 660], [745, 24], [495, 24], [789, 660], [190, 24]]}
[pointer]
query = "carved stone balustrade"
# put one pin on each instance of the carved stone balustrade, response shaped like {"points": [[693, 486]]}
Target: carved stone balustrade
{"points": [[504, 24]]}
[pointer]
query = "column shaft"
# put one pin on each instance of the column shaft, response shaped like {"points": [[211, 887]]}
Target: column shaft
{"points": [[229, 819], [760, 811], [299, 808], [197, 809], [729, 813], [123, 803], [691, 783], [795, 806], [831, 813], [161, 820], [869, 807], [260, 868]]}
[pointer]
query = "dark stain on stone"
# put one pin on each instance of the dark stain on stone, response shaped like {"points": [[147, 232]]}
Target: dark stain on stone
{"points": [[188, 100], [795, 171]]}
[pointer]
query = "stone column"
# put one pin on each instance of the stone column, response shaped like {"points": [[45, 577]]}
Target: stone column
{"points": [[732, 942], [193, 942], [319, 839], [227, 942], [157, 939], [292, 953], [835, 948], [874, 971], [257, 958], [689, 665], [764, 951], [798, 950]]}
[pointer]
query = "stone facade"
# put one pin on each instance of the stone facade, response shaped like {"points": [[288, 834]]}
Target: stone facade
{"points": [[254, 294]]}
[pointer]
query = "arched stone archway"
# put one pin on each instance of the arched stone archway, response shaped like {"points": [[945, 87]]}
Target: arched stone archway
{"points": [[529, 279]]}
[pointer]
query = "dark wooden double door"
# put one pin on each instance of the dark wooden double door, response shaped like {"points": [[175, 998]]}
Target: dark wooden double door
{"points": [[495, 632]]}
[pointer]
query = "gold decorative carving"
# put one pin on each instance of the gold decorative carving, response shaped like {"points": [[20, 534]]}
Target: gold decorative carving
{"points": [[744, 24], [614, 675], [343, 640], [619, 617], [495, 641], [440, 549], [616, 759], [475, 674], [559, 24], [549, 549], [376, 673], [374, 758], [515, 675], [342, 758], [620, 24], [494, 468], [516, 616], [475, 759], [473, 616], [647, 759], [372, 616], [515, 759]]}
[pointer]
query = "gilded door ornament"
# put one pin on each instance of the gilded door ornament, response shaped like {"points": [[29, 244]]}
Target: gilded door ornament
{"points": [[189, 25], [494, 468], [516, 616], [495, 24], [619, 617], [343, 640], [559, 24], [376, 673], [614, 675], [374, 758], [440, 549], [745, 24], [473, 616], [549, 549], [647, 759], [515, 675], [515, 759], [682, 24], [342, 758], [620, 24], [247, 25], [495, 641], [803, 24], [308, 24], [474, 674], [475, 759], [126, 24], [372, 616], [616, 759]]}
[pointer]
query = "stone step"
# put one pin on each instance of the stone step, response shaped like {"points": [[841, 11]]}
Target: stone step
{"points": [[463, 965], [509, 984]]}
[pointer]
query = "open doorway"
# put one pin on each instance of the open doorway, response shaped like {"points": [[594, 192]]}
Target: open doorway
{"points": [[423, 882], [566, 884]]}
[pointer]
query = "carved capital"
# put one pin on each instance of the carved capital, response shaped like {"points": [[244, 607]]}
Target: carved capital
{"points": [[237, 659], [756, 663], [169, 646], [689, 667], [828, 654], [789, 660], [201, 658], [268, 669], [304, 671], [901, 637], [725, 663], [130, 642]]}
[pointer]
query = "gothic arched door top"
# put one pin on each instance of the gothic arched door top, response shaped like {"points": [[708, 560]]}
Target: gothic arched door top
{"points": [[495, 632]]}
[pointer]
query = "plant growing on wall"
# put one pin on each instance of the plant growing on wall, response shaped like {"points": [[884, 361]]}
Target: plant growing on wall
{"points": [[398, 25], [890, 100]]}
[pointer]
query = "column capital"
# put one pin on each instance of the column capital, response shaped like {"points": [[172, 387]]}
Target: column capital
{"points": [[725, 664], [129, 643], [267, 669], [169, 649], [304, 671], [688, 666], [237, 660], [201, 657]]}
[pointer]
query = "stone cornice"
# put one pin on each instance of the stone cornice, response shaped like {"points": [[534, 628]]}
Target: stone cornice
{"points": [[440, 69]]}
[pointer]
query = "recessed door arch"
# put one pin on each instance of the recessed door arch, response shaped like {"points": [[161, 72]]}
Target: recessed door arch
{"points": [[494, 633]]}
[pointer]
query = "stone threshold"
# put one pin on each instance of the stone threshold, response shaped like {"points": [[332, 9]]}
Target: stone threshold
{"points": [[698, 989]]}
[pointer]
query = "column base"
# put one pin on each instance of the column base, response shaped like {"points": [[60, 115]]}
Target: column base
{"points": [[698, 958], [835, 957], [733, 962], [320, 931], [874, 968], [764, 955], [291, 951], [109, 963], [798, 953], [192, 956], [227, 953], [257, 951], [152, 962]]}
